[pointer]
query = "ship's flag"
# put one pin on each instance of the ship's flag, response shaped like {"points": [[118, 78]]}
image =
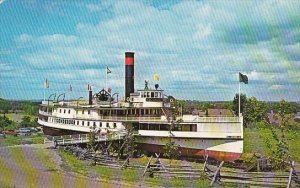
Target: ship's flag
{"points": [[89, 87], [46, 84], [156, 77], [107, 70], [243, 78]]}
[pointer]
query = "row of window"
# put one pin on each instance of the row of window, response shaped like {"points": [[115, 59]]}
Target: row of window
{"points": [[89, 112], [119, 112], [130, 112], [69, 111], [151, 94], [95, 124], [83, 123], [63, 121], [65, 110], [166, 127]]}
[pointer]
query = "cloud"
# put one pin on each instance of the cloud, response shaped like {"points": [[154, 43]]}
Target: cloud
{"points": [[192, 45], [202, 32], [47, 40], [55, 51], [23, 38], [93, 7], [253, 75], [276, 87], [6, 67]]}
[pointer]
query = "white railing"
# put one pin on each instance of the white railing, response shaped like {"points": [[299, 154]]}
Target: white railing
{"points": [[139, 119], [84, 138], [161, 119], [197, 119]]}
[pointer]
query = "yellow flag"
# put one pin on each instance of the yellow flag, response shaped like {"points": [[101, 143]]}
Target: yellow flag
{"points": [[156, 77]]}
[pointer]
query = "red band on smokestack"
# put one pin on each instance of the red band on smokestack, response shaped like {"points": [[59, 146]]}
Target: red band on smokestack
{"points": [[129, 61]]}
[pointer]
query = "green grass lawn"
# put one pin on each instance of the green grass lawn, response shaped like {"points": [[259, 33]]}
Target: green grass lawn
{"points": [[128, 176], [10, 140], [17, 117], [73, 162], [254, 141]]}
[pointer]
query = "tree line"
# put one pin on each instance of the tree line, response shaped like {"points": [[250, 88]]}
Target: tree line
{"points": [[255, 111], [27, 107]]}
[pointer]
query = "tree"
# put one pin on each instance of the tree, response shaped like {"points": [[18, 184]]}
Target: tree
{"points": [[285, 110], [92, 145], [4, 122], [171, 148], [254, 111], [30, 108], [228, 105], [130, 146], [34, 122], [236, 103], [205, 106], [280, 149], [4, 106], [26, 122]]}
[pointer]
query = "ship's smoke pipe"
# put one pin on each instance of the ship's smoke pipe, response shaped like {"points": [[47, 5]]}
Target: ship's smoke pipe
{"points": [[90, 97], [129, 74]]}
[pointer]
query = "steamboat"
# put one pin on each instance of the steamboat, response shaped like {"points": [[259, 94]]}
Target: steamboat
{"points": [[151, 114]]}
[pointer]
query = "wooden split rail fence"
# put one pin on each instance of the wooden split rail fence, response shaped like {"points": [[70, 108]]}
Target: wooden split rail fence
{"points": [[216, 174], [227, 175]]}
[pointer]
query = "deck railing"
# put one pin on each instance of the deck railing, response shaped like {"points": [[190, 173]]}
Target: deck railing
{"points": [[160, 119], [216, 119], [83, 138], [138, 119]]}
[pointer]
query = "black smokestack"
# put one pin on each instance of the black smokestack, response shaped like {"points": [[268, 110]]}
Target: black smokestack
{"points": [[129, 74], [90, 97]]}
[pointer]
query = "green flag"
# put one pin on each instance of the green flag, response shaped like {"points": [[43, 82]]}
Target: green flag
{"points": [[243, 78]]}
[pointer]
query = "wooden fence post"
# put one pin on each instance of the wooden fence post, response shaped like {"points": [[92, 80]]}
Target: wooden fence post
{"points": [[147, 166], [216, 174], [290, 176], [205, 162], [126, 163]]}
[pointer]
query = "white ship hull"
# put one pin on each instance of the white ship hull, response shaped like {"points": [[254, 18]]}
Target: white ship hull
{"points": [[219, 149]]}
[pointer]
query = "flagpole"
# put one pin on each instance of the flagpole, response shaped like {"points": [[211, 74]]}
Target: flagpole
{"points": [[106, 79], [239, 98], [70, 91]]}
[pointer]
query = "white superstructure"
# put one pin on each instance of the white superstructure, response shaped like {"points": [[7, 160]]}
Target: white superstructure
{"points": [[152, 115]]}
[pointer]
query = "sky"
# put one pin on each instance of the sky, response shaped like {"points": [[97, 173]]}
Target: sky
{"points": [[196, 47]]}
